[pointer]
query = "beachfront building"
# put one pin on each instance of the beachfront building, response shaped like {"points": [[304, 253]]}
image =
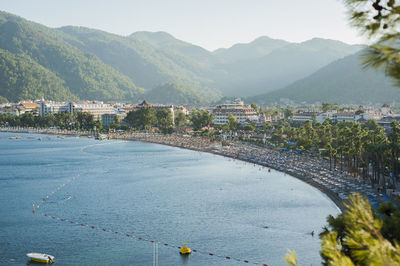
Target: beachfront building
{"points": [[24, 107], [108, 119], [9, 110], [243, 113], [97, 109], [47, 107]]}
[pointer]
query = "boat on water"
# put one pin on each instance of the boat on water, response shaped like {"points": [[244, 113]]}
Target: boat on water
{"points": [[16, 137], [40, 257], [101, 137], [185, 250]]}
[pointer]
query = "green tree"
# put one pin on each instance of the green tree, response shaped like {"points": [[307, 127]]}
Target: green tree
{"points": [[200, 119], [356, 238], [164, 119], [116, 123], [250, 127], [379, 19], [180, 119], [62, 120], [27, 120], [143, 118], [98, 125], [288, 112], [232, 124], [85, 120]]}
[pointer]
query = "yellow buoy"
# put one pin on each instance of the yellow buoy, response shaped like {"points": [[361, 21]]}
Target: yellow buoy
{"points": [[185, 250]]}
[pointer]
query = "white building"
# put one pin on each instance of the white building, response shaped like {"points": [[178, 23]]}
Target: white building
{"points": [[47, 107], [346, 116], [9, 110], [97, 109], [243, 113], [302, 117]]}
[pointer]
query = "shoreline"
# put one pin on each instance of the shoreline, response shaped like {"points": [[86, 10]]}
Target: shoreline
{"points": [[158, 139], [334, 198], [331, 195]]}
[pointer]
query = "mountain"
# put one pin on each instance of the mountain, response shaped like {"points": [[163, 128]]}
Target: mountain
{"points": [[281, 66], [343, 81], [23, 78], [173, 93], [84, 74], [144, 64], [163, 41], [83, 63], [243, 51]]}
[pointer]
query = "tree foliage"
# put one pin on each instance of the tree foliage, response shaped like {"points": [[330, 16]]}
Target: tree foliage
{"points": [[164, 119], [200, 119], [180, 119], [379, 19], [232, 124], [356, 238], [142, 119]]}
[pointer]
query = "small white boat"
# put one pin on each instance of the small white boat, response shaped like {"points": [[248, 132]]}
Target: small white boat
{"points": [[39, 257]]}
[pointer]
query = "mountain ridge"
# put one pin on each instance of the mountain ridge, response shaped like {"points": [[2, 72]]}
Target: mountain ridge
{"points": [[95, 64], [342, 81]]}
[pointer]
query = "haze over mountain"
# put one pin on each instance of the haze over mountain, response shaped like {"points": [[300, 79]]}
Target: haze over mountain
{"points": [[82, 63], [281, 66], [255, 49], [342, 81]]}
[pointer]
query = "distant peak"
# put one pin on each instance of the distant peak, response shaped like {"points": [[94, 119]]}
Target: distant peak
{"points": [[322, 40], [152, 34]]}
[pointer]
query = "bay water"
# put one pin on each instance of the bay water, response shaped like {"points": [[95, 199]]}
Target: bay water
{"points": [[171, 195]]}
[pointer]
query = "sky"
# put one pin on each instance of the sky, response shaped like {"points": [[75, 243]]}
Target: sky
{"points": [[210, 24]]}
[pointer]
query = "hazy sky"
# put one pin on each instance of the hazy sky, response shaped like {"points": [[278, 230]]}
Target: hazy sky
{"points": [[209, 23]]}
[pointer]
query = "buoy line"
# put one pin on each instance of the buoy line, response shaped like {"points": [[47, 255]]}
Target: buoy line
{"points": [[135, 236], [44, 199]]}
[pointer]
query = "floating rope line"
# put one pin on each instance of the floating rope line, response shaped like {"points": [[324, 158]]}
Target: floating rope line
{"points": [[127, 235], [134, 236], [44, 199]]}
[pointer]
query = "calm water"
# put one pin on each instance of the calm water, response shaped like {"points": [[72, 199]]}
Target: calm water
{"points": [[168, 194]]}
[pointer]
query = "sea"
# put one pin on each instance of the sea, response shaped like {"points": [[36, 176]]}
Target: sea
{"points": [[119, 202]]}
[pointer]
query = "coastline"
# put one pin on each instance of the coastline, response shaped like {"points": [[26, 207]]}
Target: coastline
{"points": [[332, 196], [203, 145]]}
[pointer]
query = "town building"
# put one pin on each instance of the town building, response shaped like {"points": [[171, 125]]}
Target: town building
{"points": [[47, 107], [24, 107], [243, 113], [320, 117], [96, 108], [9, 110], [346, 116], [385, 122], [108, 119]]}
